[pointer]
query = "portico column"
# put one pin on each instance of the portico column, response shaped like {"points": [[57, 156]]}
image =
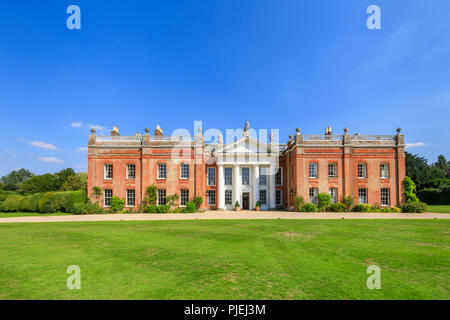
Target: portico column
{"points": [[272, 186], [220, 189], [236, 185], [255, 184]]}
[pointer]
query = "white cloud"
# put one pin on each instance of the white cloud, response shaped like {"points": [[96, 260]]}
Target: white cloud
{"points": [[100, 129], [82, 149], [43, 145], [51, 159], [76, 124], [415, 144]]}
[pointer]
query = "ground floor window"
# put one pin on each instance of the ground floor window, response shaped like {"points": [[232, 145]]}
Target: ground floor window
{"points": [[384, 197], [278, 197], [313, 196], [184, 196], [228, 197], [334, 195], [131, 198], [108, 195], [161, 197], [212, 197], [263, 197], [362, 195]]}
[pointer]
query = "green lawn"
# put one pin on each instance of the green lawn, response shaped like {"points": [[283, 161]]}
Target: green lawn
{"points": [[27, 214], [233, 259], [439, 209]]}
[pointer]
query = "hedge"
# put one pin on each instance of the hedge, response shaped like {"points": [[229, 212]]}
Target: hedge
{"points": [[435, 195], [44, 202]]}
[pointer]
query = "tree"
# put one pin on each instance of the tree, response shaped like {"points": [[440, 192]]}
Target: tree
{"points": [[42, 183], [13, 180], [442, 163], [75, 182], [409, 190], [63, 175], [417, 169]]}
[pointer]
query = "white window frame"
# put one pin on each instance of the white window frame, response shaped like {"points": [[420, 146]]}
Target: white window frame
{"points": [[363, 193], [313, 196], [209, 170], [183, 168], [184, 197], [161, 165], [316, 170], [134, 198], [128, 171], [263, 192], [384, 173], [229, 177], [262, 173], [280, 175], [331, 165], [106, 171], [242, 179], [280, 193], [160, 198], [104, 198], [330, 191], [211, 191], [362, 170], [386, 196], [230, 198]]}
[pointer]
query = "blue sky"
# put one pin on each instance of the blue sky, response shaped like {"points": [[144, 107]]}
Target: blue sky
{"points": [[280, 64]]}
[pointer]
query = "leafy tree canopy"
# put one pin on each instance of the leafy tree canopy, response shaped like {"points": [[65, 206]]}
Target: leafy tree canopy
{"points": [[13, 180]]}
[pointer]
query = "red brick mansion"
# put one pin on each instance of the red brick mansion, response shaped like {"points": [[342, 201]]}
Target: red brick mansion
{"points": [[369, 167]]}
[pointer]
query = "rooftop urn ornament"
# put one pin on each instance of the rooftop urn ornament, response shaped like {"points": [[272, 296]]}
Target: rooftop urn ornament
{"points": [[290, 136], [147, 130], [115, 131], [298, 131], [247, 126], [345, 131], [158, 130], [92, 130], [399, 130]]}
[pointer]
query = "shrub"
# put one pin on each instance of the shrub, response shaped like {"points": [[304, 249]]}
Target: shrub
{"points": [[309, 207], [190, 207], [395, 210], [151, 195], [117, 204], [298, 202], [435, 195], [258, 204], [237, 205], [362, 207], [337, 207], [349, 202], [47, 204], [177, 210], [165, 208], [87, 208], [409, 190], [198, 201], [11, 204], [30, 203], [324, 201], [151, 209], [96, 193], [172, 200], [414, 207]]}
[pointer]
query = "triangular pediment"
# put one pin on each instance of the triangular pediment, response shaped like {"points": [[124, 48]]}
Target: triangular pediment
{"points": [[245, 145]]}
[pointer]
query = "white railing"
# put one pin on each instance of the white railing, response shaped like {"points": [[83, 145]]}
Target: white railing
{"points": [[172, 138], [372, 138], [322, 138], [119, 138]]}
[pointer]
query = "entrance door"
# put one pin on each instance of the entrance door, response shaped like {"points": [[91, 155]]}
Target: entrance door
{"points": [[245, 201]]}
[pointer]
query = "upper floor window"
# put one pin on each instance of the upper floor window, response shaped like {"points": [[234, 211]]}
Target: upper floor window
{"points": [[228, 173], [334, 195], [131, 171], [162, 171], [313, 196], [332, 170], [211, 176], [161, 197], [108, 171], [107, 198], [279, 177], [313, 170], [245, 176], [384, 197], [184, 196], [362, 195], [184, 171], [131, 198], [362, 170], [384, 170], [262, 176]]}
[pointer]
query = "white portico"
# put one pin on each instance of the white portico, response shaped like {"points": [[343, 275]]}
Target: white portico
{"points": [[246, 173]]}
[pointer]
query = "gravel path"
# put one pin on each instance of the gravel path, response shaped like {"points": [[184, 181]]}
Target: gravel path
{"points": [[210, 215]]}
